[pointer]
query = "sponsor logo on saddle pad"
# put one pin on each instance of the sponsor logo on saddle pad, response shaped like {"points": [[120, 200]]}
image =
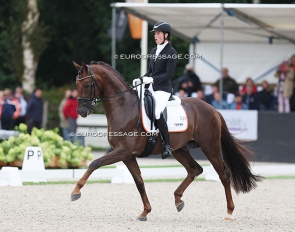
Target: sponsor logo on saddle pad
{"points": [[177, 119]]}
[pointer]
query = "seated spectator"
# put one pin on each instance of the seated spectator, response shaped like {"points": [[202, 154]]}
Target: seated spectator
{"points": [[238, 103], [251, 99], [199, 94], [229, 84], [216, 102], [193, 80], [249, 81], [266, 97], [181, 93], [209, 98], [189, 83]]}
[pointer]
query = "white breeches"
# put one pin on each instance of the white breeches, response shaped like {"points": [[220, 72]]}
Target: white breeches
{"points": [[161, 100]]}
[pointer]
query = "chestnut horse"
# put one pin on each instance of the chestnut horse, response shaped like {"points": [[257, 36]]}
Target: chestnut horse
{"points": [[206, 129]]}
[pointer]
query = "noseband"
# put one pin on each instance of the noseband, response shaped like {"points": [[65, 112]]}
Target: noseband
{"points": [[95, 100]]}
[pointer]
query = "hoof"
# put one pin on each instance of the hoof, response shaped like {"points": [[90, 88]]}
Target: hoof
{"points": [[180, 206], [141, 218], [75, 197], [229, 218]]}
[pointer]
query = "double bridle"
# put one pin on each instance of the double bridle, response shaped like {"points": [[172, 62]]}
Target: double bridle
{"points": [[95, 100]]}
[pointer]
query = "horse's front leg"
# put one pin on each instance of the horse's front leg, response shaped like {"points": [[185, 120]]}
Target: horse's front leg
{"points": [[133, 167], [112, 157]]}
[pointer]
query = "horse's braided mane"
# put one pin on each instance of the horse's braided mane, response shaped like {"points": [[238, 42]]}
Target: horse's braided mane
{"points": [[110, 67]]}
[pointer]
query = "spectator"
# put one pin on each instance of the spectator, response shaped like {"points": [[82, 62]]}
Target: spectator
{"points": [[193, 80], [285, 74], [189, 83], [216, 101], [251, 99], [71, 115], [64, 125], [35, 110], [10, 110], [238, 103], [181, 93], [292, 100], [200, 94], [182, 86], [249, 81], [229, 84], [23, 106], [266, 97], [1, 103], [209, 98]]}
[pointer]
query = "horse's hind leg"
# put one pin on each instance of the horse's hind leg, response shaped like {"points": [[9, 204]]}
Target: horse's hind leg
{"points": [[213, 153], [193, 170], [133, 167]]}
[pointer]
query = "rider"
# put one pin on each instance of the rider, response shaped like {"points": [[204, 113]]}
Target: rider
{"points": [[163, 59]]}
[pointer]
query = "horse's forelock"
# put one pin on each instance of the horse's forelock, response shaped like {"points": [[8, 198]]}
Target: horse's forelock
{"points": [[81, 70]]}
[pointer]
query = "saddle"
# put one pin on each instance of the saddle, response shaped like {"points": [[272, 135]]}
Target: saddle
{"points": [[177, 116], [149, 105]]}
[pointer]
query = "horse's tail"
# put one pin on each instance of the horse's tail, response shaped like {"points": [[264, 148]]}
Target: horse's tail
{"points": [[242, 179]]}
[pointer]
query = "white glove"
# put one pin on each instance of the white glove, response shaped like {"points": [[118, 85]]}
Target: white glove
{"points": [[147, 80]]}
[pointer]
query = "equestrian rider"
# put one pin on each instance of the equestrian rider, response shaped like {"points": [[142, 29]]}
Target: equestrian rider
{"points": [[163, 59]]}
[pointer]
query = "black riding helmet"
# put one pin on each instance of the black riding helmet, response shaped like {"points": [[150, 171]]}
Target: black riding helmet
{"points": [[164, 27]]}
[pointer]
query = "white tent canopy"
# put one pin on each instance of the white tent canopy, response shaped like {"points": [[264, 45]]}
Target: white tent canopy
{"points": [[256, 37]]}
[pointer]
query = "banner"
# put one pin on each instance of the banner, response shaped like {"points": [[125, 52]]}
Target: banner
{"points": [[135, 23], [242, 124]]}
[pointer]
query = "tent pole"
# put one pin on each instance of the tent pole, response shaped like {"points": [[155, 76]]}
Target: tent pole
{"points": [[221, 55], [144, 52], [113, 37], [144, 46], [194, 52]]}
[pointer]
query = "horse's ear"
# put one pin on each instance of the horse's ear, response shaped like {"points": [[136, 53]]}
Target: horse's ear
{"points": [[78, 67], [85, 67]]}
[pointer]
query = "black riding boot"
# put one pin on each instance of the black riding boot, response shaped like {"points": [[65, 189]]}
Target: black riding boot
{"points": [[161, 123]]}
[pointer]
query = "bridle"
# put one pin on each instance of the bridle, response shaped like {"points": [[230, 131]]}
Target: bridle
{"points": [[95, 100]]}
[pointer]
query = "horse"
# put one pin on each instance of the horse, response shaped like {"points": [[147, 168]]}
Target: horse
{"points": [[207, 129]]}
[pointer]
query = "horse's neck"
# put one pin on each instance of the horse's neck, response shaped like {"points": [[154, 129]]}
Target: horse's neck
{"points": [[124, 106]]}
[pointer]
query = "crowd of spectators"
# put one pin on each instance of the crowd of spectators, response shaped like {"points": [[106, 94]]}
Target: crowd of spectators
{"points": [[248, 96], [15, 108]]}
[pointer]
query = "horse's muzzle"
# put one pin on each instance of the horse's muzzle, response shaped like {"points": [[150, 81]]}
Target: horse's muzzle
{"points": [[83, 111]]}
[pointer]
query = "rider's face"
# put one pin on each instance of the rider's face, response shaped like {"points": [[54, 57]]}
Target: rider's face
{"points": [[159, 37]]}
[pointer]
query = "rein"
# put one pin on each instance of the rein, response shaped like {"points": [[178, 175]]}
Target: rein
{"points": [[95, 100]]}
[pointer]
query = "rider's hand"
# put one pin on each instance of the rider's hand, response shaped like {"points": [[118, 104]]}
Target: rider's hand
{"points": [[147, 80]]}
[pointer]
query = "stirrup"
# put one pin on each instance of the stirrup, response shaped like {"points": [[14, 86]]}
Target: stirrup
{"points": [[166, 152]]}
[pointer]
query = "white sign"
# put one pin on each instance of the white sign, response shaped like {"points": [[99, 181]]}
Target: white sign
{"points": [[242, 124], [10, 176], [33, 165]]}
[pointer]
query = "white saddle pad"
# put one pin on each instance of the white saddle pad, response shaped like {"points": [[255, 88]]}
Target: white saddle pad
{"points": [[176, 115]]}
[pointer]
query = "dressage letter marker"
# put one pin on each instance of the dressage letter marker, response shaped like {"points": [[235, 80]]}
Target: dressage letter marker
{"points": [[33, 165]]}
